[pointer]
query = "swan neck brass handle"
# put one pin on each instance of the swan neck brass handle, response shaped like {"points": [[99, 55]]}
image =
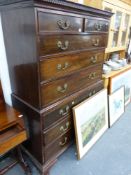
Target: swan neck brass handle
{"points": [[62, 89], [63, 24], [61, 46], [64, 142], [98, 27], [114, 30], [64, 129], [95, 42], [59, 66], [94, 92], [92, 75], [90, 94], [94, 59], [107, 25], [64, 111]]}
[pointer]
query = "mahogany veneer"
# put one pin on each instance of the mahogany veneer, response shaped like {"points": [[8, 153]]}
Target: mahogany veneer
{"points": [[63, 65], [65, 43], [55, 51]]}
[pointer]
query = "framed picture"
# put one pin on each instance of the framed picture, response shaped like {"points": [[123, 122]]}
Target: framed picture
{"points": [[122, 79], [116, 105], [90, 121]]}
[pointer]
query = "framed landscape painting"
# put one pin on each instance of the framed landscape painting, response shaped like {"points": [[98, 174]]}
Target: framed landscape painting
{"points": [[122, 79], [91, 121], [116, 105]]}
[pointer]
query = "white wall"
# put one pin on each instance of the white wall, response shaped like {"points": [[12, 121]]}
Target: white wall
{"points": [[4, 74]]}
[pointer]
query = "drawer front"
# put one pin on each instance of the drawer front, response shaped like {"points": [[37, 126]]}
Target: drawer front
{"points": [[60, 88], [57, 147], [48, 22], [96, 25], [56, 131], [62, 43], [11, 137], [60, 66], [58, 112]]}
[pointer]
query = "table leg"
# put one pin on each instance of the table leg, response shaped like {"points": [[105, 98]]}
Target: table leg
{"points": [[22, 162]]}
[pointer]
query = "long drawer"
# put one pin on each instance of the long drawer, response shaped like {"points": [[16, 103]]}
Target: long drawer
{"points": [[57, 147], [56, 90], [61, 66], [57, 130], [49, 44], [64, 108], [51, 22]]}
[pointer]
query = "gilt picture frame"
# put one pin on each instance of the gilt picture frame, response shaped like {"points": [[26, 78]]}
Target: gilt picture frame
{"points": [[90, 121], [116, 105]]}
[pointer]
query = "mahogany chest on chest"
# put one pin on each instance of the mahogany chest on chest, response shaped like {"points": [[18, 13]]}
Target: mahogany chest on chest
{"points": [[55, 51]]}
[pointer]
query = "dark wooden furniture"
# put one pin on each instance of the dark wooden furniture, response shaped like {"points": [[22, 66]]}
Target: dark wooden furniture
{"points": [[55, 52], [12, 134], [12, 131]]}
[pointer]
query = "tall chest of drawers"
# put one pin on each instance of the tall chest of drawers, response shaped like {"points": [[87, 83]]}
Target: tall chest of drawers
{"points": [[55, 51]]}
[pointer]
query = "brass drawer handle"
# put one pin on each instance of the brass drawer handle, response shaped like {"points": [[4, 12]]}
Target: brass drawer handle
{"points": [[60, 45], [90, 94], [61, 112], [113, 30], [107, 25], [96, 42], [63, 24], [94, 92], [92, 75], [98, 27], [66, 128], [62, 89], [59, 66], [94, 59], [63, 143]]}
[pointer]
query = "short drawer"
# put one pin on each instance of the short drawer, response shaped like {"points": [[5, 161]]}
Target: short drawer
{"points": [[61, 66], [64, 108], [96, 25], [57, 147], [51, 22], [56, 90], [56, 131], [62, 43]]}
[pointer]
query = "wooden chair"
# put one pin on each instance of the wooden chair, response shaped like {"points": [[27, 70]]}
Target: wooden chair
{"points": [[12, 134]]}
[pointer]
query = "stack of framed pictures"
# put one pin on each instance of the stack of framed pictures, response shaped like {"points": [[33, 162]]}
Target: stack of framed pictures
{"points": [[119, 95], [93, 116], [122, 79], [91, 121]]}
